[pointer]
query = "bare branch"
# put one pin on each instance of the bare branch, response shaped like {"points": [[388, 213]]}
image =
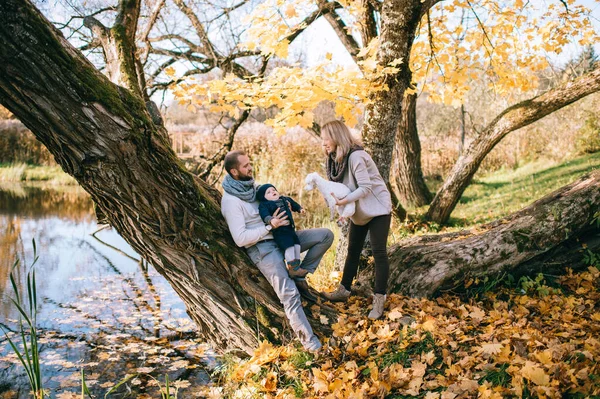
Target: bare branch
{"points": [[173, 36], [100, 32], [339, 26], [566, 5], [199, 28], [432, 46], [152, 20], [226, 11], [482, 28], [62, 26], [428, 5], [219, 155], [185, 55], [324, 9]]}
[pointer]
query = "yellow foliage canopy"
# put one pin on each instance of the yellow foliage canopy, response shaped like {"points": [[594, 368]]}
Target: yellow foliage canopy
{"points": [[507, 42]]}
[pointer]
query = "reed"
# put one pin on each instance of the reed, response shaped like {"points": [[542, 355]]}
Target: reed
{"points": [[29, 354]]}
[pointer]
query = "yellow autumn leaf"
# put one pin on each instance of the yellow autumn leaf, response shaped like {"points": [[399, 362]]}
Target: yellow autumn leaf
{"points": [[170, 71], [429, 324], [320, 381], [535, 374], [290, 11], [477, 313], [270, 382], [490, 349], [394, 314]]}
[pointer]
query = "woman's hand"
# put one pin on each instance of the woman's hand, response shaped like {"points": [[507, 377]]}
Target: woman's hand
{"points": [[339, 201], [279, 219]]}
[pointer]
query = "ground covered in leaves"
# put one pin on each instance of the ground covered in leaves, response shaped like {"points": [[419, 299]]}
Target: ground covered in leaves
{"points": [[526, 339]]}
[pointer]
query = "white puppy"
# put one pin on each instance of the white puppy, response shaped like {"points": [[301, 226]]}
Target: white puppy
{"points": [[327, 187]]}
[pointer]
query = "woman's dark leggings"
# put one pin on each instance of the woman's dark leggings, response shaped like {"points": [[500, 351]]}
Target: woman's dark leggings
{"points": [[379, 228]]}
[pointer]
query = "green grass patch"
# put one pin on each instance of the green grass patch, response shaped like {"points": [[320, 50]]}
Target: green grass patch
{"points": [[497, 376], [407, 355], [507, 190], [30, 173], [301, 360]]}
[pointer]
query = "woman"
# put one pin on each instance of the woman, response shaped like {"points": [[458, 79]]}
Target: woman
{"points": [[349, 164]]}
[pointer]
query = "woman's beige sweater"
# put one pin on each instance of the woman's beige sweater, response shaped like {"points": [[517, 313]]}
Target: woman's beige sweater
{"points": [[368, 188]]}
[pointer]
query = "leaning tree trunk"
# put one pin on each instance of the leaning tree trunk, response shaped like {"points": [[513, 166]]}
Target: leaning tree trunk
{"points": [[547, 236], [407, 173], [103, 136], [513, 118]]}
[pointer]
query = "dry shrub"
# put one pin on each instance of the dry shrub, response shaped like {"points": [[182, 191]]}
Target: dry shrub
{"points": [[19, 145]]}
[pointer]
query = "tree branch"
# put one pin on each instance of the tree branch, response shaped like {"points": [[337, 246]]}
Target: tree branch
{"points": [[368, 22], [152, 20], [227, 10], [324, 9], [199, 28], [428, 5], [340, 28], [172, 36], [482, 28]]}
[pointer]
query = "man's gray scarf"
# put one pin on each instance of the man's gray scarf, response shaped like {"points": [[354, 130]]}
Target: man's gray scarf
{"points": [[243, 189]]}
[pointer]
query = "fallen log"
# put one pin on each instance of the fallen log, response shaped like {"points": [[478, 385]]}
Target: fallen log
{"points": [[548, 236]]}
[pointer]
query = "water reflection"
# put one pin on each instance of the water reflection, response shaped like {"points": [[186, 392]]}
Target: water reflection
{"points": [[101, 308]]}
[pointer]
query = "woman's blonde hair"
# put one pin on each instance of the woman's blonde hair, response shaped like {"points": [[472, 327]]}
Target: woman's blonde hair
{"points": [[339, 133]]}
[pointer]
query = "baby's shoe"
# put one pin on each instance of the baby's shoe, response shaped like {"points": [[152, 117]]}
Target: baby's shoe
{"points": [[295, 270]]}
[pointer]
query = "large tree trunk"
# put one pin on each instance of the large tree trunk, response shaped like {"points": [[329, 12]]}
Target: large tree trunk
{"points": [[103, 136], [546, 236], [399, 21], [513, 118], [406, 169]]}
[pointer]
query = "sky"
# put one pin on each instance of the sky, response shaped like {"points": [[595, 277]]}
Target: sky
{"points": [[319, 39]]}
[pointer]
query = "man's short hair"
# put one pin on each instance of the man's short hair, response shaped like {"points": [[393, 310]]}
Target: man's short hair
{"points": [[232, 160]]}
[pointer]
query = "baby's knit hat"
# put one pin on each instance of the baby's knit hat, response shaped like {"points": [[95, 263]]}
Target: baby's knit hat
{"points": [[262, 189]]}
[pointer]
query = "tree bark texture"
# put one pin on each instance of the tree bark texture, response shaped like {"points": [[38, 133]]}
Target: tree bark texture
{"points": [[406, 169], [399, 21], [368, 22], [103, 136], [513, 118], [546, 236]]}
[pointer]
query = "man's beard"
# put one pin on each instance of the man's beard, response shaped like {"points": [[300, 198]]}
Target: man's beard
{"points": [[245, 178]]}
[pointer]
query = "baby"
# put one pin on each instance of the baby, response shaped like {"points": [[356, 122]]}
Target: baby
{"points": [[285, 236]]}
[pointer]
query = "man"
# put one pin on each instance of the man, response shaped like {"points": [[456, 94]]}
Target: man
{"points": [[240, 209]]}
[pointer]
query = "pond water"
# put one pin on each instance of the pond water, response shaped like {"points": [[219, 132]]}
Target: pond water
{"points": [[100, 309]]}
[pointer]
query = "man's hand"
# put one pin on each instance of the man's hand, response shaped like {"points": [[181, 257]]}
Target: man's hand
{"points": [[279, 219], [339, 201]]}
